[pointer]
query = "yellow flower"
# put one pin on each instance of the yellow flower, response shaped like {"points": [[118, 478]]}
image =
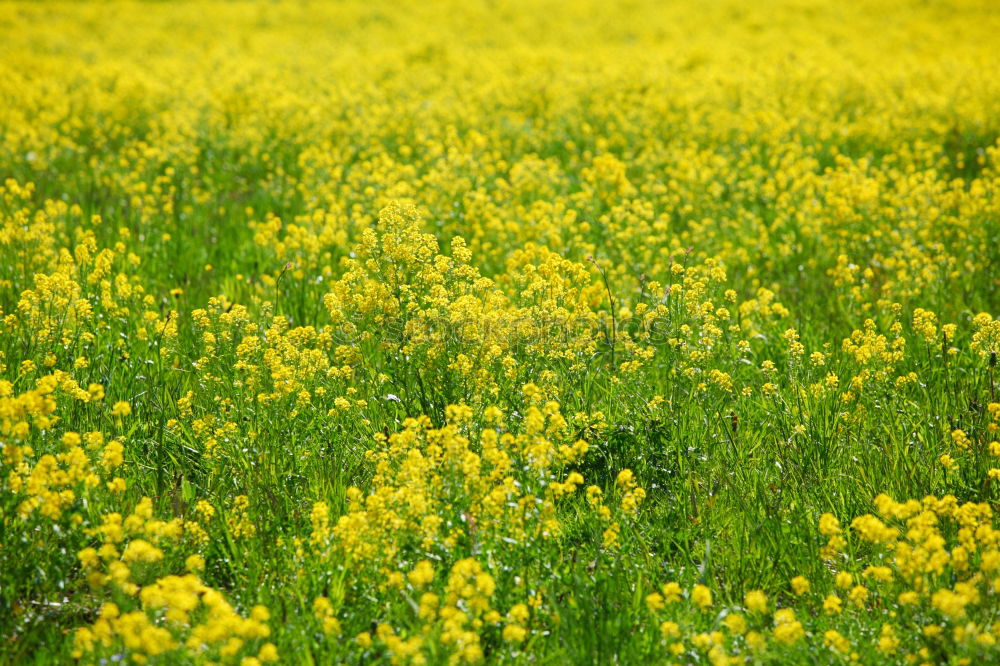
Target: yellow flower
{"points": [[671, 592], [701, 596], [789, 632], [888, 642], [514, 633], [88, 558], [829, 525], [268, 652], [422, 574], [625, 479], [141, 550], [756, 640], [949, 603], [736, 623], [755, 601], [195, 563], [670, 629]]}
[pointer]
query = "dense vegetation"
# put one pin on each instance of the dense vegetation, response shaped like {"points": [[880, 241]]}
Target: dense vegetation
{"points": [[562, 332]]}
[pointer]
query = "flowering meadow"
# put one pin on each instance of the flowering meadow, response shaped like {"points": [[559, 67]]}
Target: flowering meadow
{"points": [[500, 331]]}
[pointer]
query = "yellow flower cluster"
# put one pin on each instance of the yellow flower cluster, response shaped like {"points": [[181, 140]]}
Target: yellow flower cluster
{"points": [[222, 634], [449, 331], [175, 615], [936, 577]]}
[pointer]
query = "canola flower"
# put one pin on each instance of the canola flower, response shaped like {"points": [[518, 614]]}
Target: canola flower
{"points": [[512, 332]]}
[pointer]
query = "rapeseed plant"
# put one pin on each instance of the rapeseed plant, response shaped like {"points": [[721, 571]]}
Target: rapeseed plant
{"points": [[457, 333]]}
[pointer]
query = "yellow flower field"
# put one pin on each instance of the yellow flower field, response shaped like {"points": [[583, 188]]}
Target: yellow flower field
{"points": [[500, 331]]}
